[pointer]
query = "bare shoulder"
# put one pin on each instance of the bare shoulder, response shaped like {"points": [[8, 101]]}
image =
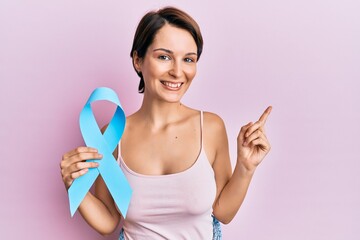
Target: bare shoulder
{"points": [[213, 122], [215, 137], [132, 122]]}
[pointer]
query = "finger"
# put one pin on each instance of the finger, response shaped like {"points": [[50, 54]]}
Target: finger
{"points": [[265, 115], [68, 178], [82, 165], [257, 125], [260, 123], [77, 174], [243, 131], [79, 150], [83, 157], [254, 135], [262, 143]]}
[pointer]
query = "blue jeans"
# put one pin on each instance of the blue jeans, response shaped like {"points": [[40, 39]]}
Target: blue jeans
{"points": [[217, 235]]}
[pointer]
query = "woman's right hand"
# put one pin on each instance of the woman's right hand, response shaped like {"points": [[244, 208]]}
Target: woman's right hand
{"points": [[74, 165]]}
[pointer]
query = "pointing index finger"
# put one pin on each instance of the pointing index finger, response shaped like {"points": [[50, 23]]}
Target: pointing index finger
{"points": [[265, 115]]}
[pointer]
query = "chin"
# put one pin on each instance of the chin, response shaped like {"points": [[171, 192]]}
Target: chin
{"points": [[172, 96], [172, 99]]}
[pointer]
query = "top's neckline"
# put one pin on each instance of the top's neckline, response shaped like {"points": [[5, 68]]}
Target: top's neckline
{"points": [[183, 172]]}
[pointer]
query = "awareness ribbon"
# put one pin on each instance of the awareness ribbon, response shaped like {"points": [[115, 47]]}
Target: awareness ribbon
{"points": [[109, 170]]}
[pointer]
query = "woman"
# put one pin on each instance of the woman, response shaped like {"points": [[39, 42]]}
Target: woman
{"points": [[175, 158]]}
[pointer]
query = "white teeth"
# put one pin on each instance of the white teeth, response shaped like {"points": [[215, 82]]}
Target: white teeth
{"points": [[172, 85]]}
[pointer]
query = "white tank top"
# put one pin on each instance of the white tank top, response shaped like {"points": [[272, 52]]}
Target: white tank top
{"points": [[173, 206]]}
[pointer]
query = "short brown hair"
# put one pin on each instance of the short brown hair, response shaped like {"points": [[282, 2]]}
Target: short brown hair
{"points": [[151, 23]]}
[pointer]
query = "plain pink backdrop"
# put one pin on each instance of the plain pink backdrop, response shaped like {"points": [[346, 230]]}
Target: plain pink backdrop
{"points": [[302, 57]]}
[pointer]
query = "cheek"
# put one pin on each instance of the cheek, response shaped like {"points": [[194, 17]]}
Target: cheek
{"points": [[155, 70], [190, 72], [148, 72]]}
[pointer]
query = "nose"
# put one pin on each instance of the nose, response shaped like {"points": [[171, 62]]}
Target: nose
{"points": [[176, 69]]}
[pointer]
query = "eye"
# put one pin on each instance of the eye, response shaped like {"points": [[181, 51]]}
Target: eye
{"points": [[189, 60], [164, 57]]}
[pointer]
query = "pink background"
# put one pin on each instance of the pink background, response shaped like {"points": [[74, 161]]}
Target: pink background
{"points": [[302, 57]]}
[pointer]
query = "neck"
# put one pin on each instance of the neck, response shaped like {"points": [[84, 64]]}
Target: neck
{"points": [[157, 113]]}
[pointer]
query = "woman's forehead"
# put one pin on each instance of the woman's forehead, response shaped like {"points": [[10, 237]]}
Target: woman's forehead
{"points": [[174, 39]]}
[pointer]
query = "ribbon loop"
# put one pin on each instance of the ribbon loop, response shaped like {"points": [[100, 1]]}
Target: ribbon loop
{"points": [[106, 143]]}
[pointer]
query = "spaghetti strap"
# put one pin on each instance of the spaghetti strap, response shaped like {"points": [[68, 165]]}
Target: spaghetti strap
{"points": [[201, 128], [119, 152]]}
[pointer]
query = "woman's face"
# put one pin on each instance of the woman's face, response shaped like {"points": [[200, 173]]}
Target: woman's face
{"points": [[169, 65]]}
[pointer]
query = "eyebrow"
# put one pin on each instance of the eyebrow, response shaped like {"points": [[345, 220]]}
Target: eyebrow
{"points": [[171, 52]]}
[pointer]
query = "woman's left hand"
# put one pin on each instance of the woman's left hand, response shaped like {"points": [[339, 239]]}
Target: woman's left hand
{"points": [[252, 142]]}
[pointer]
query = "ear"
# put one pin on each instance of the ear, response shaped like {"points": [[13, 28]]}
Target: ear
{"points": [[137, 61]]}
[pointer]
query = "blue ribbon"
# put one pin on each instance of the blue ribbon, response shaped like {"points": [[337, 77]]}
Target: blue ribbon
{"points": [[106, 143]]}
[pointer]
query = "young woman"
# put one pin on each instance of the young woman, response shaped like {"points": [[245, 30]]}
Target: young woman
{"points": [[175, 158]]}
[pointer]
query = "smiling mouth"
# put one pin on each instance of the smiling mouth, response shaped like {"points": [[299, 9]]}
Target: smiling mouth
{"points": [[172, 86]]}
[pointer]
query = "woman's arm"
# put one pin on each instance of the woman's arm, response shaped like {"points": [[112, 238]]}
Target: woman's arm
{"points": [[97, 209], [252, 148]]}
